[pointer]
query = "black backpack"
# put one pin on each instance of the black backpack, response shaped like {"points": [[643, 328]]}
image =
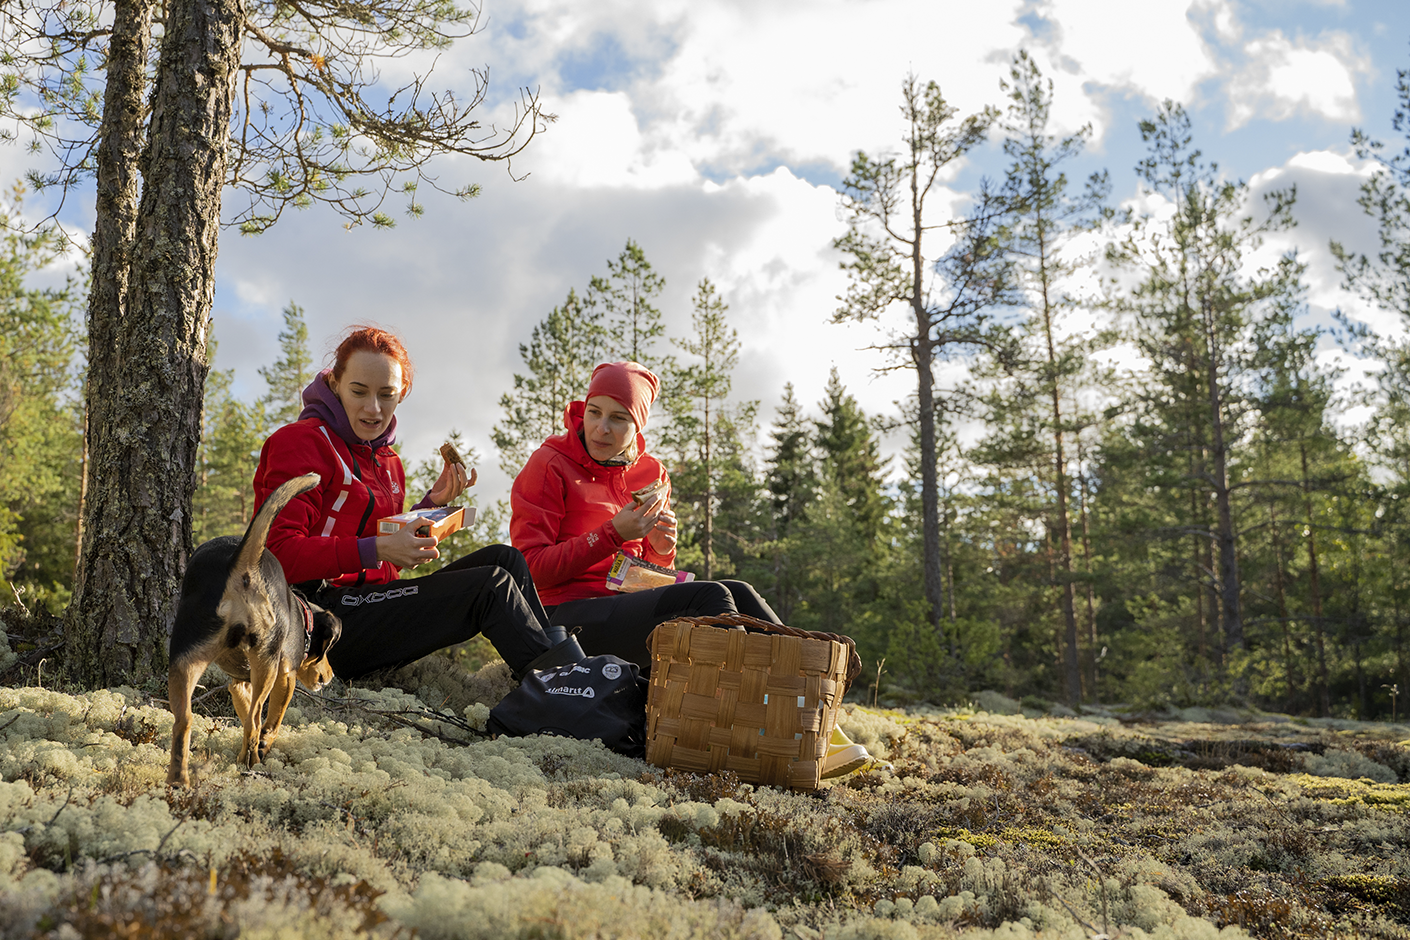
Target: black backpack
{"points": [[598, 697]]}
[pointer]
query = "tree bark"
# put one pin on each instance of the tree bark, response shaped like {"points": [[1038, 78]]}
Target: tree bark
{"points": [[154, 281], [923, 357], [1324, 701], [1228, 556]]}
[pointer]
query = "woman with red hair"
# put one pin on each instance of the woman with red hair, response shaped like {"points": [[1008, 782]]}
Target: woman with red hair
{"points": [[327, 542]]}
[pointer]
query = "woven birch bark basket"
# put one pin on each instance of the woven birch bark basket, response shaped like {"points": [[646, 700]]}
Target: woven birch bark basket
{"points": [[760, 702]]}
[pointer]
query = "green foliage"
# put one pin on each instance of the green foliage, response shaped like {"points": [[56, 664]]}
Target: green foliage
{"points": [[41, 421], [291, 372], [231, 437], [312, 124], [560, 356], [713, 478], [632, 322]]}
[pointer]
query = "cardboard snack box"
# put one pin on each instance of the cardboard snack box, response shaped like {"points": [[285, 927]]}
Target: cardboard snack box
{"points": [[437, 523]]}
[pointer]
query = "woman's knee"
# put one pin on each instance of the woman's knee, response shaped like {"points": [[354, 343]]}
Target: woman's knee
{"points": [[696, 598]]}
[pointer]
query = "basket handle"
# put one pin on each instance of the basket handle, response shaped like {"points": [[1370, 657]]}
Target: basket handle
{"points": [[854, 662]]}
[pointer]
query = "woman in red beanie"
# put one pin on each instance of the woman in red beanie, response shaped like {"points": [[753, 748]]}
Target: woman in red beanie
{"points": [[573, 511]]}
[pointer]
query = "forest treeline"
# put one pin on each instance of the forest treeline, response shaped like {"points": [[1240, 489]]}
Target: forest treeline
{"points": [[1202, 528]]}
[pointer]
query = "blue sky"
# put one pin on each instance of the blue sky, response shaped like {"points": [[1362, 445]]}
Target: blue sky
{"points": [[714, 133]]}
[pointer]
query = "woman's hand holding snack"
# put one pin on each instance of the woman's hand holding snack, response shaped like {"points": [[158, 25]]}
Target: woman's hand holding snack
{"points": [[405, 549], [635, 521], [663, 537], [454, 478]]}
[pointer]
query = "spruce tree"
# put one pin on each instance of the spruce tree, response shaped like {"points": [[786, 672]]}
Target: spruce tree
{"points": [[232, 433], [791, 479]]}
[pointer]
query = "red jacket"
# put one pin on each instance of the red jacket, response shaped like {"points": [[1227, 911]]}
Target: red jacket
{"points": [[316, 536], [563, 502]]}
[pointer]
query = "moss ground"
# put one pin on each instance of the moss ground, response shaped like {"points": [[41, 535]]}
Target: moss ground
{"points": [[374, 818]]}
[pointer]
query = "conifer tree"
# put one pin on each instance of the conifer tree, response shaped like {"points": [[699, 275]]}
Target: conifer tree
{"points": [[839, 547], [1194, 308], [891, 261], [1041, 219], [40, 424], [705, 430], [291, 372], [850, 455], [1385, 278], [232, 433], [632, 323], [790, 477], [561, 353]]}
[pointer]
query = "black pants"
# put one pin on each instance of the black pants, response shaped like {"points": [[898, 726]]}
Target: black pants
{"points": [[621, 623], [488, 591]]}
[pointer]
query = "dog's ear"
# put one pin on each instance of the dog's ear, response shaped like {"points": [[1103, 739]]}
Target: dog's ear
{"points": [[315, 671], [327, 628], [246, 564]]}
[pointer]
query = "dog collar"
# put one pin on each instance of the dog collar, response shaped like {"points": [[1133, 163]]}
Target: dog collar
{"points": [[308, 622]]}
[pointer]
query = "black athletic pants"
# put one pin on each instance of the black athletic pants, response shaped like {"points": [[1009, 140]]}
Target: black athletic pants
{"points": [[488, 591], [621, 623]]}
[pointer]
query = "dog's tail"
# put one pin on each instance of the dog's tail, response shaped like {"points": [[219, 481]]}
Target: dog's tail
{"points": [[252, 545]]}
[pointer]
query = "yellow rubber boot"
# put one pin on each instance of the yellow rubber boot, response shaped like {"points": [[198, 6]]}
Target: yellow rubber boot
{"points": [[845, 756]]}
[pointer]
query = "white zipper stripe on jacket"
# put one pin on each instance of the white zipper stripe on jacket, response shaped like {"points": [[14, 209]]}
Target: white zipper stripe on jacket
{"points": [[342, 498], [347, 474]]}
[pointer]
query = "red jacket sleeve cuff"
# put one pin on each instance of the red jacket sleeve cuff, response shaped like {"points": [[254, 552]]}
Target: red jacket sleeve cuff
{"points": [[349, 558], [610, 533]]}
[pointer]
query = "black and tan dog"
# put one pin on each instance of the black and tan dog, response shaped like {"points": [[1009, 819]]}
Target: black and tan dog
{"points": [[236, 610]]}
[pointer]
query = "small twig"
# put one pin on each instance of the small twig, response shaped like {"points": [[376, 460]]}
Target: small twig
{"points": [[18, 600], [1075, 916], [55, 817], [162, 844], [1101, 884]]}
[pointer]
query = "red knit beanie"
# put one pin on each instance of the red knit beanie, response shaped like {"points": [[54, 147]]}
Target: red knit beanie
{"points": [[630, 384]]}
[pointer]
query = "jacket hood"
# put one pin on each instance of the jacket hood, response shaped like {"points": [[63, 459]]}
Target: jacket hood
{"points": [[571, 445], [321, 403]]}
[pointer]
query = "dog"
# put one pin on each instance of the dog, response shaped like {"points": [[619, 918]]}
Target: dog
{"points": [[237, 610]]}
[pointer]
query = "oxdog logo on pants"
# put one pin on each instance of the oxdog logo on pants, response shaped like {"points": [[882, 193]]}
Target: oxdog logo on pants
{"points": [[354, 600]]}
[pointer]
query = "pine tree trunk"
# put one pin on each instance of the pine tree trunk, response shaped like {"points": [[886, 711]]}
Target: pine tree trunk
{"points": [[1228, 557], [1062, 522], [1324, 701], [1288, 674], [1087, 570], [923, 356], [709, 499], [147, 364]]}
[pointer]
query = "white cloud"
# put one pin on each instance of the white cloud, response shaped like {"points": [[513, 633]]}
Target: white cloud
{"points": [[1150, 47], [1281, 78]]}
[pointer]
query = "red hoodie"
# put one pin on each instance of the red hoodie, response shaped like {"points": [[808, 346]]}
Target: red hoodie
{"points": [[563, 502]]}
